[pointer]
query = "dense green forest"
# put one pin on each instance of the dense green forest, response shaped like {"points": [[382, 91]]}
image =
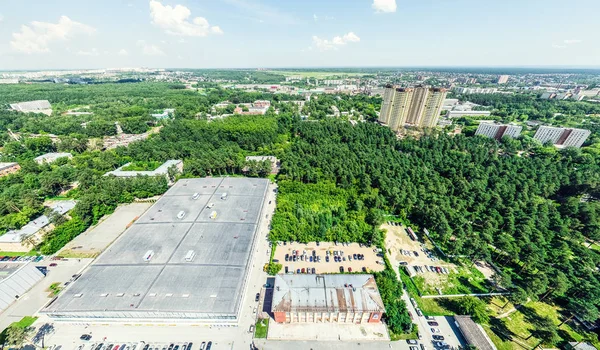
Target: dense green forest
{"points": [[529, 214]]}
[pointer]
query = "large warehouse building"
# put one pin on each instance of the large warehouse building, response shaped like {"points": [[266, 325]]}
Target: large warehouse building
{"points": [[15, 280], [350, 298], [185, 260]]}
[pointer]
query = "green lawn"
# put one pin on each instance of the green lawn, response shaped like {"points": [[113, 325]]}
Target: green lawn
{"points": [[404, 336], [465, 280], [29, 253], [518, 326], [262, 326]]}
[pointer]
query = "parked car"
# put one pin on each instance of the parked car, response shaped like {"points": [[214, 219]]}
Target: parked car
{"points": [[313, 270], [209, 345], [437, 337], [327, 258], [413, 348], [302, 270], [364, 269], [257, 298], [349, 269], [53, 264], [298, 271], [251, 329], [85, 337], [286, 269], [433, 323], [189, 347], [341, 269], [435, 330], [411, 341], [202, 345]]}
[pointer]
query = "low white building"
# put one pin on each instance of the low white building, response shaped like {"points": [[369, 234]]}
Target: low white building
{"points": [[162, 170], [51, 157], [39, 106], [458, 114]]}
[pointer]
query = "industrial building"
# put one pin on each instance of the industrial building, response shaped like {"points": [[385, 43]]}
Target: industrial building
{"points": [[339, 298], [186, 260], [15, 280], [418, 107], [562, 137], [503, 79], [498, 131], [40, 106]]}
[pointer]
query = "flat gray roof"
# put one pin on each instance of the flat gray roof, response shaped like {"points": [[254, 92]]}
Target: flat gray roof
{"points": [[473, 333], [121, 281], [326, 293]]}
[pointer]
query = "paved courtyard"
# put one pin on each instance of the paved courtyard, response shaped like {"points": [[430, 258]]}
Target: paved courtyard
{"points": [[328, 331], [93, 241]]}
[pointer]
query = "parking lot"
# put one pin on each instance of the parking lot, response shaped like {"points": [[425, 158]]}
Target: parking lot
{"points": [[327, 257], [419, 258]]}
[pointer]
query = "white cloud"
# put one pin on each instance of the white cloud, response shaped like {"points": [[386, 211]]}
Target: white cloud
{"points": [[37, 36], [315, 17], [176, 21], [123, 52], [566, 43], [150, 49], [93, 52], [384, 5], [1, 18], [333, 44]]}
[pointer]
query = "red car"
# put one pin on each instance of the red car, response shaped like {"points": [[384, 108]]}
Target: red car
{"points": [[53, 264], [349, 269]]}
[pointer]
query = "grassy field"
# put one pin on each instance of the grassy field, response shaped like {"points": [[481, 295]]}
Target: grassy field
{"points": [[29, 253], [54, 289], [464, 281], [262, 326], [509, 332]]}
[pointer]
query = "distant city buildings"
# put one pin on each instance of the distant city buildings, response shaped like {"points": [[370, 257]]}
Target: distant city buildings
{"points": [[466, 90], [51, 157], [562, 137], [419, 107], [259, 107], [8, 168], [503, 79], [498, 131], [9, 81], [39, 106]]}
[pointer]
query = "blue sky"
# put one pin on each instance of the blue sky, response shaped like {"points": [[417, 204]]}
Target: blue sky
{"points": [[291, 33]]}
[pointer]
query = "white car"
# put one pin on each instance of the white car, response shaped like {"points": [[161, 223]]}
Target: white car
{"points": [[435, 330]]}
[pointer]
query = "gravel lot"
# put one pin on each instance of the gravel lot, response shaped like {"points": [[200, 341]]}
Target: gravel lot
{"points": [[369, 262]]}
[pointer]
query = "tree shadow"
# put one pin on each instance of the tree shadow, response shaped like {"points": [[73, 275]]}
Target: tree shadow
{"points": [[499, 328], [44, 330]]}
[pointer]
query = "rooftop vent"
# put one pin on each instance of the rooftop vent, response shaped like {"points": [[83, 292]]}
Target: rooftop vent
{"points": [[104, 295], [120, 295], [169, 294], [152, 294], [224, 195], [196, 195], [148, 256], [189, 257], [185, 296], [181, 214], [77, 295], [136, 294]]}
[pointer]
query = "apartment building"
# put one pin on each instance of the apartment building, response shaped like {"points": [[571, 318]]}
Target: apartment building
{"points": [[418, 106], [503, 79], [498, 131], [562, 137]]}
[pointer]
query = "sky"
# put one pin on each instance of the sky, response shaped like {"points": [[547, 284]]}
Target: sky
{"points": [[75, 34]]}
